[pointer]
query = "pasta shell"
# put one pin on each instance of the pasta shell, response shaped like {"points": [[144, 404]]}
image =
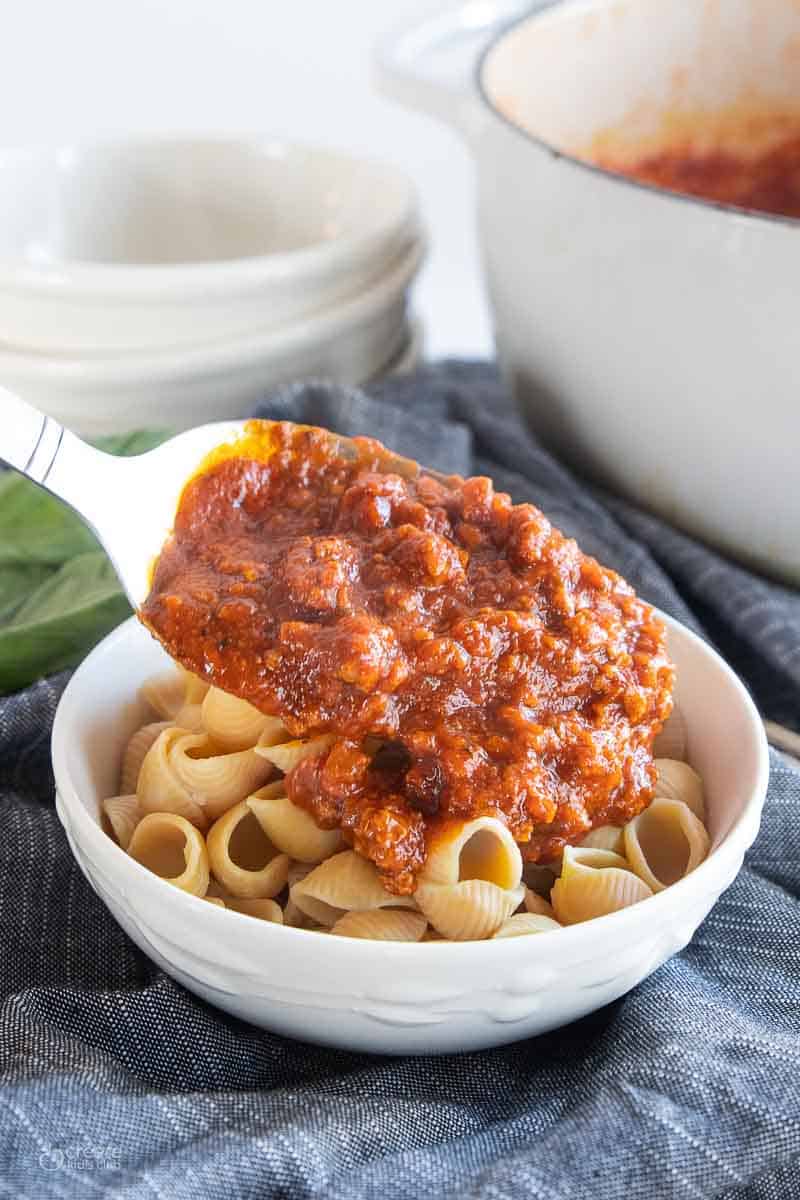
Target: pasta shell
{"points": [[190, 718], [172, 848], [468, 911], [292, 829], [523, 924], [220, 903], [159, 787], [174, 691], [605, 837], [217, 781], [242, 858], [271, 790], [194, 688], [665, 843], [165, 694], [273, 733], [234, 724], [287, 755], [216, 891], [135, 751], [382, 925], [346, 881], [679, 781], [297, 870], [294, 916], [672, 742], [479, 849], [537, 906], [594, 883], [124, 814], [313, 911], [264, 910]]}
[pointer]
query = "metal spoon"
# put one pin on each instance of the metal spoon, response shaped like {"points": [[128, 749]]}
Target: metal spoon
{"points": [[130, 503]]}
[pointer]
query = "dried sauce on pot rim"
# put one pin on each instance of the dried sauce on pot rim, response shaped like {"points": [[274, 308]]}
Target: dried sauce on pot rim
{"points": [[759, 180], [467, 657]]}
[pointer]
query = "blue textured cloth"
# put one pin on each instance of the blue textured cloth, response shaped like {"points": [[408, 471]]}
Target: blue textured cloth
{"points": [[116, 1082]]}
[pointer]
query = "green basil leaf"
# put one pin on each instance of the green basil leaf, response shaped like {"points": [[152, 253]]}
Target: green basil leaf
{"points": [[58, 592], [61, 620], [36, 528], [17, 581]]}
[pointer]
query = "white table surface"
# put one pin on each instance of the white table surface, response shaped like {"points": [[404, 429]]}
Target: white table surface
{"points": [[299, 69]]}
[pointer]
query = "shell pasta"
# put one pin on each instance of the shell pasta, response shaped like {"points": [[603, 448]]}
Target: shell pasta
{"points": [[204, 804], [594, 883], [171, 847], [665, 843], [242, 858], [384, 925], [290, 828], [123, 814], [135, 753]]}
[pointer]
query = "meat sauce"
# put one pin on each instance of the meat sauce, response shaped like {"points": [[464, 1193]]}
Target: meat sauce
{"points": [[467, 657], [767, 181]]}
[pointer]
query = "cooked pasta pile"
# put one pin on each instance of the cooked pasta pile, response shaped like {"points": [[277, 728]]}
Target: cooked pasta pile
{"points": [[203, 805]]}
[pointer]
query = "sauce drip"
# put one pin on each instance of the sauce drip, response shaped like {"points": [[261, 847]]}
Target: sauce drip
{"points": [[468, 658]]}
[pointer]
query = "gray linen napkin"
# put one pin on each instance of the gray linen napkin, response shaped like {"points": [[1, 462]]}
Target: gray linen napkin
{"points": [[116, 1082]]}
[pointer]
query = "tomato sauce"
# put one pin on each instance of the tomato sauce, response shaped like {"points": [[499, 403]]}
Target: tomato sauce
{"points": [[766, 181], [468, 658]]}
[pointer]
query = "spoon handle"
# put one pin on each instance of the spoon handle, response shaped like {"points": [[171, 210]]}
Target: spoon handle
{"points": [[30, 441], [48, 454]]}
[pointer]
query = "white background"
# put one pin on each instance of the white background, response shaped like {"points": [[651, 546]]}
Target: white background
{"points": [[78, 68]]}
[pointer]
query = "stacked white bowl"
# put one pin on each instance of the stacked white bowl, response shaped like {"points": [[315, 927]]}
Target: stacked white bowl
{"points": [[172, 282]]}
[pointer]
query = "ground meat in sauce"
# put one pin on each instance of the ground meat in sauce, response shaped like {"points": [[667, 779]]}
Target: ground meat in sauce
{"points": [[494, 667]]}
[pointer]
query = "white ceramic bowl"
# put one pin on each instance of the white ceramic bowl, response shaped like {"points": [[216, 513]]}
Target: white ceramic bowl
{"points": [[141, 244], [351, 342], [410, 354], [651, 338], [398, 998]]}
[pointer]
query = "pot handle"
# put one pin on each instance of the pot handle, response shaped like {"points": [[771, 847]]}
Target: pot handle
{"points": [[429, 65]]}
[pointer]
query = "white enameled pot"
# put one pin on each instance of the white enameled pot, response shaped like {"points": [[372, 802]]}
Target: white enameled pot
{"points": [[652, 339]]}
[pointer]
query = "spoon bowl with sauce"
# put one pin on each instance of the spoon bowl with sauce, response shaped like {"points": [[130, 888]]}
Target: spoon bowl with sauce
{"points": [[351, 595], [130, 503]]}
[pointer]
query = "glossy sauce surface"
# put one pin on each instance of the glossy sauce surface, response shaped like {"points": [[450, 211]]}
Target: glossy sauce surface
{"points": [[467, 657]]}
